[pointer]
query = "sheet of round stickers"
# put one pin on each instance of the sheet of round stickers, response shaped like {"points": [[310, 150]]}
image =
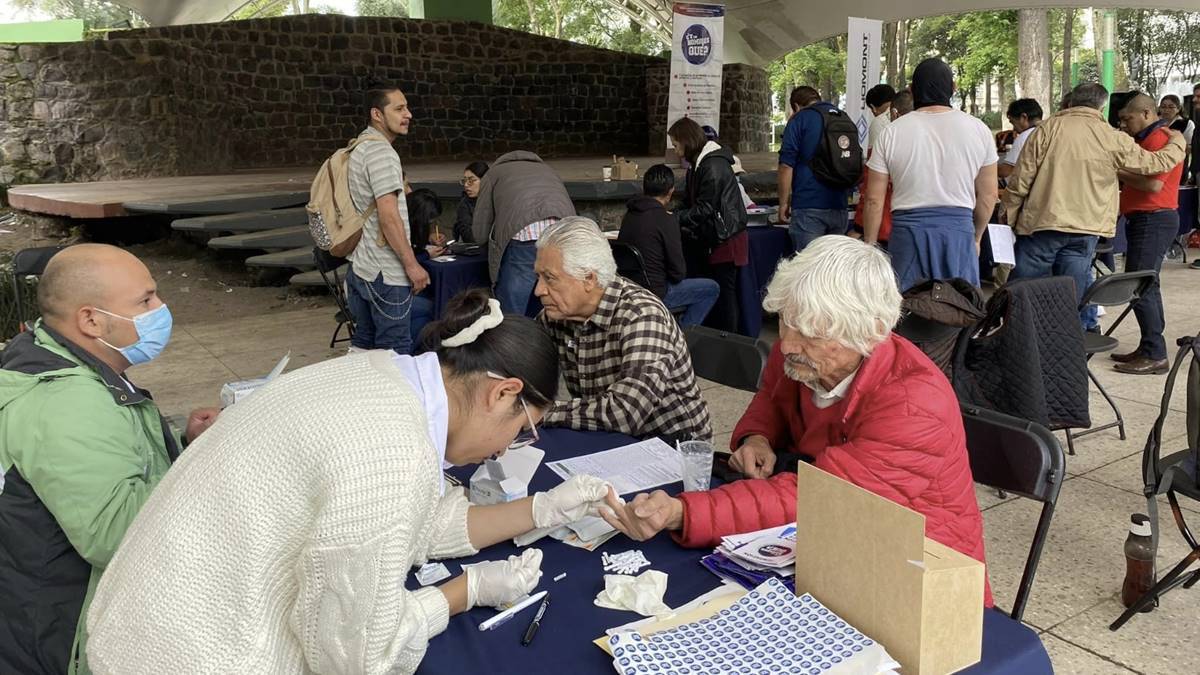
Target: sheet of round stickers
{"points": [[769, 630]]}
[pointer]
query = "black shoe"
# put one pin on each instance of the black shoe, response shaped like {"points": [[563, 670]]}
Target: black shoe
{"points": [[1195, 264], [1125, 358], [1143, 366], [1094, 329]]}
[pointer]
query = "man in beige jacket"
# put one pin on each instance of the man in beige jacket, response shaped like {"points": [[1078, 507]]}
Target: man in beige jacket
{"points": [[1063, 193]]}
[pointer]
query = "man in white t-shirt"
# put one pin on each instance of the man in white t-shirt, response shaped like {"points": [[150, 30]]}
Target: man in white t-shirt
{"points": [[1024, 114], [385, 272], [942, 166], [879, 100]]}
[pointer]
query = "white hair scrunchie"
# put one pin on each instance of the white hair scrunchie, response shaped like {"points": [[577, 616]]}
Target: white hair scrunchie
{"points": [[490, 319]]}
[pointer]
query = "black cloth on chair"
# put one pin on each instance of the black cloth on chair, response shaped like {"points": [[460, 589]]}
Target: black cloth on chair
{"points": [[1026, 357]]}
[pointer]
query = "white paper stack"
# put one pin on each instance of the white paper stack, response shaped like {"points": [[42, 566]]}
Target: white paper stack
{"points": [[771, 549]]}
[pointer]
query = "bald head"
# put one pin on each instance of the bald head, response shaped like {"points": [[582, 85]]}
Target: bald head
{"points": [[87, 275], [1138, 114]]}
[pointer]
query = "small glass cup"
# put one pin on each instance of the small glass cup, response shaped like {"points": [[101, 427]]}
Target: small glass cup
{"points": [[607, 172], [696, 458]]}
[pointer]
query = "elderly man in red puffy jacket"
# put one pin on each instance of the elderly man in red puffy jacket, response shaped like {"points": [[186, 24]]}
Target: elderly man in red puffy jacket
{"points": [[841, 390]]}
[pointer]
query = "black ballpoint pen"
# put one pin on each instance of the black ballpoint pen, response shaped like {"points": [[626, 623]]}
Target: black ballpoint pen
{"points": [[537, 621]]}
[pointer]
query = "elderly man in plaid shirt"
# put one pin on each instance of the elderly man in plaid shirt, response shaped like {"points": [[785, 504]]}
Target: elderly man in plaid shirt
{"points": [[625, 362]]}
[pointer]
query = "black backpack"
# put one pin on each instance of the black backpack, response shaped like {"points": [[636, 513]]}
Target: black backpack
{"points": [[838, 160]]}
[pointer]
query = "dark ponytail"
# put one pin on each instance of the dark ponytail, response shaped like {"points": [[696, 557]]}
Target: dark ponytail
{"points": [[518, 347]]}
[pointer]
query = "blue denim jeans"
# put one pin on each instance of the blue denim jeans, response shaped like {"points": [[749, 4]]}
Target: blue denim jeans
{"points": [[419, 317], [698, 297], [1048, 253], [808, 224], [382, 314], [516, 279], [1150, 236]]}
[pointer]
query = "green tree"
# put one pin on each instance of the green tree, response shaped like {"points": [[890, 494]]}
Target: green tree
{"points": [[381, 8], [591, 22], [96, 14], [821, 65]]}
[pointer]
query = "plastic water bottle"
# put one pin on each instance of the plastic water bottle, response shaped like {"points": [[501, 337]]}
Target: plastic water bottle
{"points": [[1139, 561]]}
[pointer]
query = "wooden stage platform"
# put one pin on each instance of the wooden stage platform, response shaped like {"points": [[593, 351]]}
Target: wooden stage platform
{"points": [[265, 189]]}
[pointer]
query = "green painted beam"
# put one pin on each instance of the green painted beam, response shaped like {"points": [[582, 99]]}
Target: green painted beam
{"points": [[66, 30], [465, 10]]}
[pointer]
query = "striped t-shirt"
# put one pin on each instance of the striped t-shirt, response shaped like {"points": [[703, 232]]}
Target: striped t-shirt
{"points": [[374, 172]]}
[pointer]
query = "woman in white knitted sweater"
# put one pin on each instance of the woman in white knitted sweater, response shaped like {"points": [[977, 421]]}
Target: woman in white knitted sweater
{"points": [[281, 540]]}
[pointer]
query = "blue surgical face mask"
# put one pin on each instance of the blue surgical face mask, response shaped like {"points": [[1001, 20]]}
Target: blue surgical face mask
{"points": [[154, 331]]}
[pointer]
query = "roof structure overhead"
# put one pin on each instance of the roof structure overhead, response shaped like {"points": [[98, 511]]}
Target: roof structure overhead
{"points": [[757, 31]]}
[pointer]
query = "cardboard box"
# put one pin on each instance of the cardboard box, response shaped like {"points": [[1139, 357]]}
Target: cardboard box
{"points": [[232, 392], [506, 479], [867, 559], [623, 169]]}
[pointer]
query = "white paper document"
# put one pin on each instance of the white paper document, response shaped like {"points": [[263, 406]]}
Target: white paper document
{"points": [[630, 468], [1003, 244]]}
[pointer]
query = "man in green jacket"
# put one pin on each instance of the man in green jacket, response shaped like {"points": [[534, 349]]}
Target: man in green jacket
{"points": [[81, 448]]}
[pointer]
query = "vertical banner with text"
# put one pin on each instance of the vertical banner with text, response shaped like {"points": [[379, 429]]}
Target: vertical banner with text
{"points": [[863, 39], [697, 55]]}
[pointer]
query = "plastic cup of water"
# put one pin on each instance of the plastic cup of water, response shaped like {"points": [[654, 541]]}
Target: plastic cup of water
{"points": [[697, 461]]}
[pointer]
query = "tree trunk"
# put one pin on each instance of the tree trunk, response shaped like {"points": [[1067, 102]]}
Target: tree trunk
{"points": [[1033, 55], [1002, 90], [987, 95], [891, 56], [1068, 42], [903, 30]]}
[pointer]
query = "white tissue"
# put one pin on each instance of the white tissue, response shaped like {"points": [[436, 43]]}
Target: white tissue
{"points": [[642, 594]]}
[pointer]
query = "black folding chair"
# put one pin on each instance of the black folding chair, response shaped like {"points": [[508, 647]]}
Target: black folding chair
{"points": [[1104, 248], [1173, 475], [727, 358], [328, 264], [1110, 290], [632, 266], [26, 264], [1023, 458]]}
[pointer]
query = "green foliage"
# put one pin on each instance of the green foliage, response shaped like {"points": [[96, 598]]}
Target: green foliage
{"points": [[1157, 43], [817, 65], [381, 8], [96, 14], [989, 40], [591, 22]]}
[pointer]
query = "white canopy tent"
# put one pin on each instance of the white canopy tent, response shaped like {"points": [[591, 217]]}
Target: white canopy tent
{"points": [[757, 31]]}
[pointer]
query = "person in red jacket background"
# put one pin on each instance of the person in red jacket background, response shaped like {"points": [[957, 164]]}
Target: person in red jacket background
{"points": [[844, 392]]}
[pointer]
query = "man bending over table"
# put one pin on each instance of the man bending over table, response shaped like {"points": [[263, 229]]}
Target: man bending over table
{"points": [[625, 362], [843, 392]]}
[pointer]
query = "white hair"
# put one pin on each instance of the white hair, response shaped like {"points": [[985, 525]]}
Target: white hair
{"points": [[584, 248], [838, 289]]}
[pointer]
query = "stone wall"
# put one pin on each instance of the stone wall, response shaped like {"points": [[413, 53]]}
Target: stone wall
{"points": [[745, 107], [212, 98], [287, 91]]}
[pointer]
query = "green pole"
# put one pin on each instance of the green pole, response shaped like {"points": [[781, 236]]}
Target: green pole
{"points": [[1108, 65]]}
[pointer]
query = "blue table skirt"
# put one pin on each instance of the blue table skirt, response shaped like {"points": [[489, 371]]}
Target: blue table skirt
{"points": [[564, 642], [447, 279], [768, 245]]}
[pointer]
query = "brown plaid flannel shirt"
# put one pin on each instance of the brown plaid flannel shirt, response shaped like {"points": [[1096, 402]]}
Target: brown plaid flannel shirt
{"points": [[628, 370]]}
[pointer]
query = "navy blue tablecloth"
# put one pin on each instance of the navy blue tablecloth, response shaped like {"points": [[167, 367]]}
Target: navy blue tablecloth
{"points": [[564, 642], [446, 279], [768, 245]]}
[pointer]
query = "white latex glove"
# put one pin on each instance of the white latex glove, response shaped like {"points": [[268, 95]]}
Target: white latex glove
{"points": [[499, 582], [578, 497]]}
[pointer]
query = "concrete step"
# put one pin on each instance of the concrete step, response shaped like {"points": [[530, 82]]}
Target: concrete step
{"points": [[296, 258], [244, 221], [283, 237], [216, 204], [313, 277]]}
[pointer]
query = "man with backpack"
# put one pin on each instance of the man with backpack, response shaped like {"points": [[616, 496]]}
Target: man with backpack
{"points": [[819, 160], [385, 272]]}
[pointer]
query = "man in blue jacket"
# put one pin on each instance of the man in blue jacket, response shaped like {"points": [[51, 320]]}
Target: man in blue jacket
{"points": [[812, 208]]}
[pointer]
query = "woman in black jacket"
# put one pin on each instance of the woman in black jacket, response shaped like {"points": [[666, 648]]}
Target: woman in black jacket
{"points": [[472, 175], [713, 217]]}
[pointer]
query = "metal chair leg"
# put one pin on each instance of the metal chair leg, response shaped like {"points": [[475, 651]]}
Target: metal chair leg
{"points": [[1111, 403], [1070, 442]]}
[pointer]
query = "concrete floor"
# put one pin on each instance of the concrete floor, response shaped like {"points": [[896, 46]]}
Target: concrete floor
{"points": [[1075, 596]]}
